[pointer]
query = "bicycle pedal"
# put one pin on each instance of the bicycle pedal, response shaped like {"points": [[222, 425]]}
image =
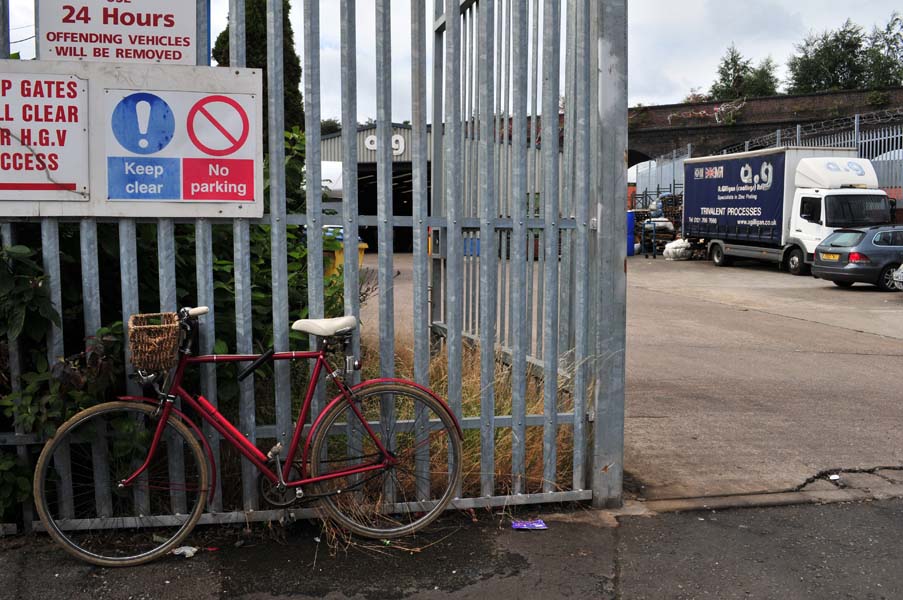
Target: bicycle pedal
{"points": [[275, 451]]}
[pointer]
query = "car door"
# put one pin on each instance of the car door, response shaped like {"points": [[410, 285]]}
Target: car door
{"points": [[809, 229], [896, 247]]}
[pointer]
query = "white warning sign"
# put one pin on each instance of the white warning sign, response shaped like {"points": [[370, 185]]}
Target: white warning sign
{"points": [[82, 139], [142, 31], [43, 137]]}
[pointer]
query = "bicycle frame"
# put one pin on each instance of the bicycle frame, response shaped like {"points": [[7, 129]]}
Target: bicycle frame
{"points": [[232, 435]]}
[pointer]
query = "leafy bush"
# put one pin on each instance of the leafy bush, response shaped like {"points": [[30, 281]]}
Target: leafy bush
{"points": [[25, 304], [15, 484]]}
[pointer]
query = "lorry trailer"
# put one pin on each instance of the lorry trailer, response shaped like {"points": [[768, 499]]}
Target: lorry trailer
{"points": [[778, 204]]}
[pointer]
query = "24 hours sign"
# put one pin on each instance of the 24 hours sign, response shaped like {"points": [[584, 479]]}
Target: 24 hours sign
{"points": [[121, 31], [180, 146]]}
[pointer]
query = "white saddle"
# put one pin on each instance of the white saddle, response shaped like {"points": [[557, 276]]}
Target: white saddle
{"points": [[326, 327]]}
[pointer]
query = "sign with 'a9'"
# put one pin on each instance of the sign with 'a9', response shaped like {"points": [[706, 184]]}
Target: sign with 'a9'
{"points": [[121, 31]]}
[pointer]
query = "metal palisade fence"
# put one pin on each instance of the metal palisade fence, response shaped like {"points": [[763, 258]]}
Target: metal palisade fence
{"points": [[878, 136], [518, 200]]}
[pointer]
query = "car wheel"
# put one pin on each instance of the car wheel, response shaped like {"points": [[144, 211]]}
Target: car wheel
{"points": [[843, 284], [886, 281], [796, 263], [718, 256]]}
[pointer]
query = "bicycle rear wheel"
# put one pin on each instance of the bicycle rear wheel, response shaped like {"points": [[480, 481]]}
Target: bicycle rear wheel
{"points": [[400, 498], [77, 493]]}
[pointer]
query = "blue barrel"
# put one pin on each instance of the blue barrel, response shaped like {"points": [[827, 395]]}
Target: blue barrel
{"points": [[631, 225]]}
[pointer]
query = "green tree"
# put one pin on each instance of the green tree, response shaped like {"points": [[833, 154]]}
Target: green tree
{"points": [[733, 71], [763, 80], [884, 54], [737, 78], [328, 126], [831, 60], [256, 44]]}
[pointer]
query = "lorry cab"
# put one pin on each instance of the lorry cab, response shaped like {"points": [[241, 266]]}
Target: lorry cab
{"points": [[833, 193]]}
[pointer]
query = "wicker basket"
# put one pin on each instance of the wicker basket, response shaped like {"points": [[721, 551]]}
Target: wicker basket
{"points": [[153, 340]]}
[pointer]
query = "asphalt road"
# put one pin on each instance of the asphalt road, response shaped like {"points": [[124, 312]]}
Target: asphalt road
{"points": [[745, 379], [801, 552]]}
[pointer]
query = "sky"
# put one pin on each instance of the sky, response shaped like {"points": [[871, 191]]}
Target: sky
{"points": [[674, 45]]}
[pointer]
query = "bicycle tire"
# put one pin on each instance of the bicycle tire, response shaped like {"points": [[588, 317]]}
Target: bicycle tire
{"points": [[101, 523], [397, 500]]}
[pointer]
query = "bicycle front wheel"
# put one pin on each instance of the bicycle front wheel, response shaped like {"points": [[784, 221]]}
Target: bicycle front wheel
{"points": [[406, 493], [77, 493]]}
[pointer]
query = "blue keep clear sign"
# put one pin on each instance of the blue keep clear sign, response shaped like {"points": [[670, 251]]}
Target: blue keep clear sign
{"points": [[143, 125]]}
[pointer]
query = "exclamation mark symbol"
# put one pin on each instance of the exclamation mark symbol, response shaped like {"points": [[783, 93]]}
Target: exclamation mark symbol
{"points": [[142, 111]]}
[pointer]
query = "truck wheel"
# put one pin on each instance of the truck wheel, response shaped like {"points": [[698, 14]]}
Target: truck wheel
{"points": [[718, 256], [886, 281], [796, 263]]}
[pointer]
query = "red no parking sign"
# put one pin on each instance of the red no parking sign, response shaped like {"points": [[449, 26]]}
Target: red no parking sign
{"points": [[228, 135], [218, 126]]}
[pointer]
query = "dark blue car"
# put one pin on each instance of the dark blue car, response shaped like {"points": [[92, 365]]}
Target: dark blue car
{"points": [[861, 255]]}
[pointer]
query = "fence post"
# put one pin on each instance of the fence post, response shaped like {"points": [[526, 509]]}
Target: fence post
{"points": [[799, 134], [746, 146], [4, 28], [689, 150], [856, 133], [673, 169], [610, 20], [278, 233], [777, 138]]}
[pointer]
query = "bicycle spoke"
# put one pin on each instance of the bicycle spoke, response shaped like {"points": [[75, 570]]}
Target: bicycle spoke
{"points": [[106, 524]]}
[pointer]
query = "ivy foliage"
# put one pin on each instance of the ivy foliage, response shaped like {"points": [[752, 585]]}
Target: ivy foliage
{"points": [[25, 305]]}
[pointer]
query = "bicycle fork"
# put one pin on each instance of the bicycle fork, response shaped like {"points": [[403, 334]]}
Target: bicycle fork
{"points": [[158, 433]]}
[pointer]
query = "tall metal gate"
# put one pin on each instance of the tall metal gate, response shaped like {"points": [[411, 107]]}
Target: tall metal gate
{"points": [[527, 162]]}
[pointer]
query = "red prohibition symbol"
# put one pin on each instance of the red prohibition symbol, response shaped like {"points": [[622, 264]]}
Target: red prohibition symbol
{"points": [[232, 143]]}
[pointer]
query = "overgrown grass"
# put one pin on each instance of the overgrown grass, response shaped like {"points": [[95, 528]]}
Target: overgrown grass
{"points": [[503, 440]]}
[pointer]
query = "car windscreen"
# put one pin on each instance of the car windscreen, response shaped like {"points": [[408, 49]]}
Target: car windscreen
{"points": [[843, 239], [849, 210]]}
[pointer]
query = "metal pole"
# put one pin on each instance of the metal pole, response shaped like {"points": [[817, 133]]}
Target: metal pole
{"points": [[241, 255], [384, 187], [582, 204], [519, 189], [437, 197], [608, 453], [4, 29], [313, 166], [278, 237], [349, 169], [857, 135], [551, 51], [488, 282], [452, 181]]}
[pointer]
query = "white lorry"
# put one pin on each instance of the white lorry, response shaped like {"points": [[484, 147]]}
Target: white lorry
{"points": [[778, 204]]}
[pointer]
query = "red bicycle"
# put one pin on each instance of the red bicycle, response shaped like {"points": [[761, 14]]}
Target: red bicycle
{"points": [[124, 482]]}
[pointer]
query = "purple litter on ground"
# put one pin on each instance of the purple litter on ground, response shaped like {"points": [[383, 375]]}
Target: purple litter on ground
{"points": [[534, 524]]}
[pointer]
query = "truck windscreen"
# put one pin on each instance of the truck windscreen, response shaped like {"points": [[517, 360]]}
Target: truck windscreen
{"points": [[856, 210]]}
